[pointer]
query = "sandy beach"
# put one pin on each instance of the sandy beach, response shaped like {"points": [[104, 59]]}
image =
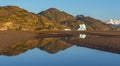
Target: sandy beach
{"points": [[10, 37]]}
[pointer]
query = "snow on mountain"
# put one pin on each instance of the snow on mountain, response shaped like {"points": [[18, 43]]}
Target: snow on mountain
{"points": [[114, 22]]}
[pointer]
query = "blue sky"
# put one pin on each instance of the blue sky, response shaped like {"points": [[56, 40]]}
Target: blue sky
{"points": [[99, 9]]}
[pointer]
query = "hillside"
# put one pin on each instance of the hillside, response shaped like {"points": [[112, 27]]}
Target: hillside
{"points": [[16, 18], [56, 15], [63, 18]]}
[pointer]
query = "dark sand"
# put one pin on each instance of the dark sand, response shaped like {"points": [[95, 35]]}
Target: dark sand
{"points": [[11, 37], [100, 33], [15, 36]]}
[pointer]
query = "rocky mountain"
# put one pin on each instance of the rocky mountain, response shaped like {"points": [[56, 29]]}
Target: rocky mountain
{"points": [[71, 22], [46, 23], [95, 24], [92, 24], [114, 22], [56, 15], [16, 18]]}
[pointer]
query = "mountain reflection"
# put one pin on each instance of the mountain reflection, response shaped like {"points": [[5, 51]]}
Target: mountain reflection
{"points": [[105, 43], [50, 45], [54, 45], [17, 48]]}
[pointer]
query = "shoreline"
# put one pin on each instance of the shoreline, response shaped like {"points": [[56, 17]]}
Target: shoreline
{"points": [[108, 41], [72, 33]]}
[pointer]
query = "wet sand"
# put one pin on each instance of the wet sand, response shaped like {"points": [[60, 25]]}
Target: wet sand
{"points": [[100, 33], [15, 36], [109, 40], [10, 37]]}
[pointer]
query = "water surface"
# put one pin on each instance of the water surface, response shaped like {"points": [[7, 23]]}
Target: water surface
{"points": [[62, 51]]}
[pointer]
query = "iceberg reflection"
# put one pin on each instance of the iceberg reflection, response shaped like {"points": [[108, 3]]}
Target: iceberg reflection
{"points": [[82, 36]]}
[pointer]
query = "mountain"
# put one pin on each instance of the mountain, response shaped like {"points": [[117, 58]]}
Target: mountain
{"points": [[52, 19], [56, 15], [71, 22], [46, 23], [114, 22], [92, 24], [96, 25], [15, 18]]}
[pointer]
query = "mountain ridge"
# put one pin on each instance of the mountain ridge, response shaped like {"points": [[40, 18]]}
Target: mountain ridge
{"points": [[52, 19]]}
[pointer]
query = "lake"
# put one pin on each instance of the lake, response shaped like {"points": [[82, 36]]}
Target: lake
{"points": [[80, 50]]}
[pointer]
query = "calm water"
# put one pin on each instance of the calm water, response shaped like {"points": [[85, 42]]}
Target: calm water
{"points": [[60, 52]]}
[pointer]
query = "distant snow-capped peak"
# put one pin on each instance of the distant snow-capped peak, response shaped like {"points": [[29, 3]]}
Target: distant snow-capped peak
{"points": [[114, 22]]}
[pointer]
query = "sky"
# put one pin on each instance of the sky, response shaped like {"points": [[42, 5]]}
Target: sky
{"points": [[99, 9]]}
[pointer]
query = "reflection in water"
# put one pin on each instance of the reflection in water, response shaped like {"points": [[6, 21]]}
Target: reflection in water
{"points": [[105, 43], [54, 45], [51, 45], [82, 36], [17, 48]]}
